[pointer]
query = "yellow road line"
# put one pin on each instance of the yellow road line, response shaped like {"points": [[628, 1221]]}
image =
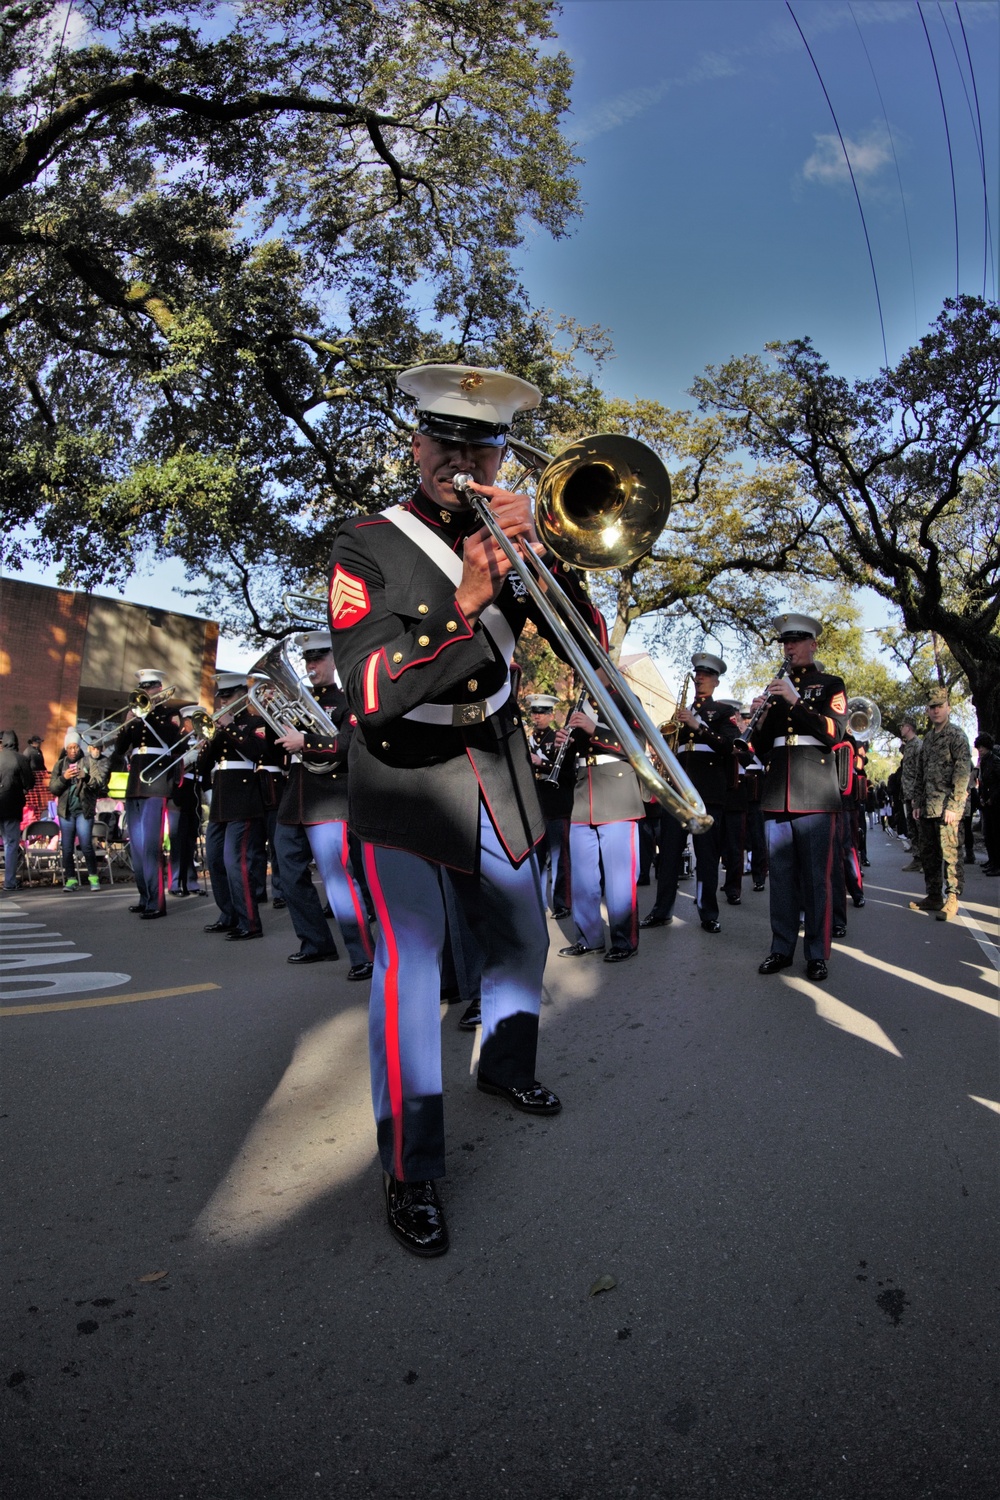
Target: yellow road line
{"points": [[32, 1010]]}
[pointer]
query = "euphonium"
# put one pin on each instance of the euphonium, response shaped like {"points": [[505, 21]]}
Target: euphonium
{"points": [[601, 504], [283, 699], [864, 718]]}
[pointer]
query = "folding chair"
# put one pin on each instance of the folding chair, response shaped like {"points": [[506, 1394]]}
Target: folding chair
{"points": [[43, 850]]}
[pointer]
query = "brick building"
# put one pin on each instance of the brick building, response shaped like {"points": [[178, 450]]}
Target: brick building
{"points": [[67, 656]]}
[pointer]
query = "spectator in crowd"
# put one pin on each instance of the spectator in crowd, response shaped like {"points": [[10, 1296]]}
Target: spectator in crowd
{"points": [[16, 780], [989, 800], [37, 801], [77, 780]]}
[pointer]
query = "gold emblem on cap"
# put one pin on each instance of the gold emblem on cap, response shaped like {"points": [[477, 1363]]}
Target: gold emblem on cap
{"points": [[470, 382]]}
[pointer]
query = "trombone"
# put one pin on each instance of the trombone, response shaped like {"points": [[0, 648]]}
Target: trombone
{"points": [[205, 728], [600, 504], [139, 704]]}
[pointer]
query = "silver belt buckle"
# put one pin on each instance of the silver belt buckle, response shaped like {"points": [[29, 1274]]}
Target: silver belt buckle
{"points": [[464, 714]]}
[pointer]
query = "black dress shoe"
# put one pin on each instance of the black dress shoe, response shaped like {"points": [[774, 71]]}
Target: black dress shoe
{"points": [[151, 916], [619, 953], [816, 969], [279, 903], [312, 958], [709, 924], [735, 900], [450, 995], [577, 950], [839, 930], [471, 1017], [360, 971], [180, 893], [773, 962], [239, 936], [866, 863], [221, 926], [536, 1099], [138, 908], [652, 921], [858, 900], [758, 885], [415, 1216], [561, 913]]}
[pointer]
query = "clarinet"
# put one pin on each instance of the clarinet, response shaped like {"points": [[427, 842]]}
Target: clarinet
{"points": [[743, 743], [553, 777]]}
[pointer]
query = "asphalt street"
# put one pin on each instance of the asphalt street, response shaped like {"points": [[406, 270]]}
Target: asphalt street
{"points": [[788, 1192]]}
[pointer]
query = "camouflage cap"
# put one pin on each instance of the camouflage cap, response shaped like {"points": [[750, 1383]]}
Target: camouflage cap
{"points": [[938, 698]]}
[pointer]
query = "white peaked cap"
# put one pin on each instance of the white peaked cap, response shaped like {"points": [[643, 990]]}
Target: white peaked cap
{"points": [[709, 662], [472, 395], [149, 674], [314, 640], [784, 625]]}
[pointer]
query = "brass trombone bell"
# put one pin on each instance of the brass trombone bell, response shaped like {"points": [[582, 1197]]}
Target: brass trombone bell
{"points": [[864, 718], [601, 503]]}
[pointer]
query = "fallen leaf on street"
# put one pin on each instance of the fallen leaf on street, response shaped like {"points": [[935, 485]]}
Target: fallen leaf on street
{"points": [[602, 1284], [154, 1276]]}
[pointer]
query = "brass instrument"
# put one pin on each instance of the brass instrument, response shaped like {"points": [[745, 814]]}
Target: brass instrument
{"points": [[140, 704], [864, 718], [283, 699], [671, 728], [206, 727], [601, 504], [743, 741], [308, 609]]}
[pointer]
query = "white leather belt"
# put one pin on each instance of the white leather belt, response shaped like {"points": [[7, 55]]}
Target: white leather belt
{"points": [[798, 739], [296, 760], [694, 745], [460, 715], [599, 760], [236, 765], [147, 750]]}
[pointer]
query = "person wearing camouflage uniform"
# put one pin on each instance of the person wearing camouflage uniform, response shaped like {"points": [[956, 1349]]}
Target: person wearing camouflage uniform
{"points": [[938, 805], [909, 781]]}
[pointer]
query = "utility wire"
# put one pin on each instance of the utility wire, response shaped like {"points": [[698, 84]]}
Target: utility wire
{"points": [[847, 159], [947, 133], [899, 179], [988, 245]]}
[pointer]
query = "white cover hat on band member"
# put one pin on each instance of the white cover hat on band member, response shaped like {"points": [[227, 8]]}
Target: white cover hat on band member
{"points": [[796, 627], [314, 640], [708, 663], [541, 700], [226, 681], [149, 674], [459, 403]]}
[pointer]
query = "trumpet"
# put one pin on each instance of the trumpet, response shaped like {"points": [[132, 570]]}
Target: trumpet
{"points": [[864, 719], [601, 504], [743, 742]]}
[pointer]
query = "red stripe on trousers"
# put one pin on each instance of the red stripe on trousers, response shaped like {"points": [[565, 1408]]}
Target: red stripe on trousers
{"points": [[390, 1005], [352, 886]]}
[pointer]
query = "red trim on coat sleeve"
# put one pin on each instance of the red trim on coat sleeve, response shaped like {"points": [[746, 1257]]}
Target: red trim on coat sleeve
{"points": [[419, 661], [371, 681]]}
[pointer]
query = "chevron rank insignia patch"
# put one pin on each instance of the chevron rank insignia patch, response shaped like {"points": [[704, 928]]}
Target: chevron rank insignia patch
{"points": [[349, 600], [839, 704]]}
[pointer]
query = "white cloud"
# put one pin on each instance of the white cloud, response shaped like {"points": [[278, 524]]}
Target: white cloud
{"points": [[867, 155]]}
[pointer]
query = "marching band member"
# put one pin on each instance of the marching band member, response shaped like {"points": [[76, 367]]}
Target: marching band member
{"points": [[424, 622], [805, 717], [142, 739], [184, 818], [234, 838], [556, 798], [704, 748], [604, 836], [312, 825], [734, 813], [753, 781]]}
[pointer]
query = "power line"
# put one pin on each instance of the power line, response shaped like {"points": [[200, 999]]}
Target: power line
{"points": [[847, 159], [978, 122], [947, 133], [899, 179]]}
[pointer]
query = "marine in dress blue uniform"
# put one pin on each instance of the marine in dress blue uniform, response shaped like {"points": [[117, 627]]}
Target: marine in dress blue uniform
{"points": [[704, 748], [312, 825], [141, 740], [184, 818], [236, 832], [806, 718], [555, 797], [424, 619], [604, 841]]}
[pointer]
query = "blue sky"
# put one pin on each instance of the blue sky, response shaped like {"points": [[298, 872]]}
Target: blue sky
{"points": [[719, 212]]}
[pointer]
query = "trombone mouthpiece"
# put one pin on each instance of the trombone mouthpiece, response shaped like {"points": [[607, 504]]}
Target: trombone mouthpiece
{"points": [[461, 483]]}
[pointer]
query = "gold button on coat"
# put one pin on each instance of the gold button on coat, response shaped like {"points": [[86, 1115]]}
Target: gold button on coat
{"points": [[473, 684], [422, 609], [397, 656], [424, 640], [452, 625]]}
